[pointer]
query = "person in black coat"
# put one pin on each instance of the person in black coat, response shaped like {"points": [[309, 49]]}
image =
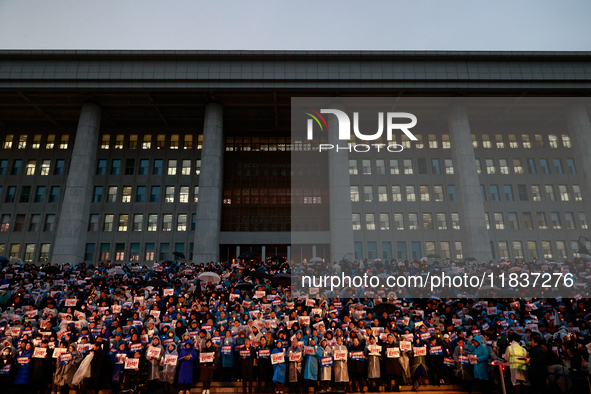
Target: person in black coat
{"points": [[264, 368], [357, 367], [96, 366], [7, 361], [247, 355], [41, 370], [392, 368], [538, 369]]}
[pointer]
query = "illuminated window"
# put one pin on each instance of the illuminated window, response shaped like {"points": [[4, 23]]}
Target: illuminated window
{"points": [[36, 141], [174, 141], [499, 141], [513, 141], [553, 141], [445, 141], [64, 141], [525, 141], [132, 141], [126, 194], [147, 142], [123, 219], [172, 164], [22, 142], [566, 141], [50, 141], [485, 141], [432, 141], [119, 139], [184, 194]]}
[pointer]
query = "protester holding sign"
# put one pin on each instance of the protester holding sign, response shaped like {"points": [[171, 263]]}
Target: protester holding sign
{"points": [[340, 364], [41, 368], [187, 358], [279, 367], [7, 369], [247, 357], [393, 370], [480, 373], [133, 377], [264, 369], [226, 351], [357, 365], [325, 375], [207, 360], [169, 363], [154, 353], [294, 353], [311, 365], [117, 356], [434, 361], [23, 363], [465, 369]]}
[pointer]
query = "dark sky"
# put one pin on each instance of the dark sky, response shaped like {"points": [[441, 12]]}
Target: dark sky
{"points": [[296, 25]]}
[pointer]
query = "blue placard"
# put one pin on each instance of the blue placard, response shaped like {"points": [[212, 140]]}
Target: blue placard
{"points": [[326, 362], [226, 349], [356, 356], [436, 350]]}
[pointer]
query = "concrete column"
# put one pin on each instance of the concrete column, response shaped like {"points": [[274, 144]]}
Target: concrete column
{"points": [[263, 253], [339, 184], [288, 254], [70, 239], [209, 208], [313, 251], [579, 130], [475, 239], [237, 252]]}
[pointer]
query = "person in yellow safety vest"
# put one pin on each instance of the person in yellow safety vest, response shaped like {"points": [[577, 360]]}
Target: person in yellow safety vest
{"points": [[518, 359]]}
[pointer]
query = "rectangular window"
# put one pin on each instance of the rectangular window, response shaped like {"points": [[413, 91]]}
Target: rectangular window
{"points": [[167, 222], [169, 194], [531, 166], [513, 223], [410, 193], [517, 250], [449, 166], [382, 194], [535, 192], [490, 166], [105, 141], [455, 221], [571, 166], [186, 167], [513, 141], [451, 192], [144, 164], [50, 143], [25, 194], [386, 250], [444, 250], [115, 167], [35, 223], [380, 167], [184, 194], [419, 144], [10, 193], [413, 221], [150, 250], [123, 220], [353, 167], [416, 250], [29, 252], [45, 167], [517, 167], [555, 218], [539, 141], [486, 141], [504, 250], [157, 170], [112, 195], [354, 193], [101, 167], [105, 248], [441, 221], [160, 141], [140, 195], [14, 250], [427, 221], [424, 190], [499, 223], [408, 166], [196, 194], [39, 194], [561, 249], [132, 141], [459, 252], [155, 194], [367, 193], [399, 221], [93, 222], [366, 166], [570, 221], [174, 141], [22, 142], [193, 221], [577, 193], [508, 190], [474, 142], [478, 168], [504, 167], [129, 166], [553, 141], [549, 193], [134, 252], [147, 141], [188, 141], [566, 141], [49, 222], [394, 169], [16, 167], [30, 169], [522, 191], [445, 141], [499, 141], [563, 190], [432, 141], [181, 223], [438, 192], [370, 221], [197, 167], [422, 166], [138, 222], [3, 166], [528, 223], [152, 222], [396, 193], [582, 221], [541, 217], [494, 193], [172, 164], [405, 141], [546, 249], [126, 195], [108, 223], [401, 251], [384, 221], [119, 139], [358, 250], [487, 220], [544, 168], [356, 219], [44, 252], [558, 166], [5, 223], [97, 196], [8, 142], [435, 168]]}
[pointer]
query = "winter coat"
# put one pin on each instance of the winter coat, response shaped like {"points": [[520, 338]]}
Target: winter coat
{"points": [[373, 365], [65, 373], [228, 359], [465, 371], [23, 371], [186, 366], [295, 368], [41, 368], [280, 368], [482, 353], [118, 366], [311, 364], [169, 371], [206, 370], [326, 372], [341, 368], [154, 372], [356, 366], [392, 366]]}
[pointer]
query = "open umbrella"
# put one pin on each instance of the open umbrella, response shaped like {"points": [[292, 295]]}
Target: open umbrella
{"points": [[116, 271], [382, 307], [259, 275], [250, 255], [157, 283], [433, 256], [209, 277], [52, 269], [4, 259], [281, 279], [470, 259], [515, 269], [178, 254], [315, 260], [244, 286]]}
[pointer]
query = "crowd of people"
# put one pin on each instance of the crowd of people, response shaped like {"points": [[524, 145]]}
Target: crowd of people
{"points": [[176, 325]]}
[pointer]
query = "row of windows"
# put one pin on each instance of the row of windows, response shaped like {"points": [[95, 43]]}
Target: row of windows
{"points": [[419, 249], [541, 222], [134, 252], [526, 142], [34, 223], [536, 193], [146, 141], [31, 167], [141, 222], [27, 196], [144, 167], [170, 194], [49, 142], [428, 221], [28, 253], [434, 166], [396, 193]]}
